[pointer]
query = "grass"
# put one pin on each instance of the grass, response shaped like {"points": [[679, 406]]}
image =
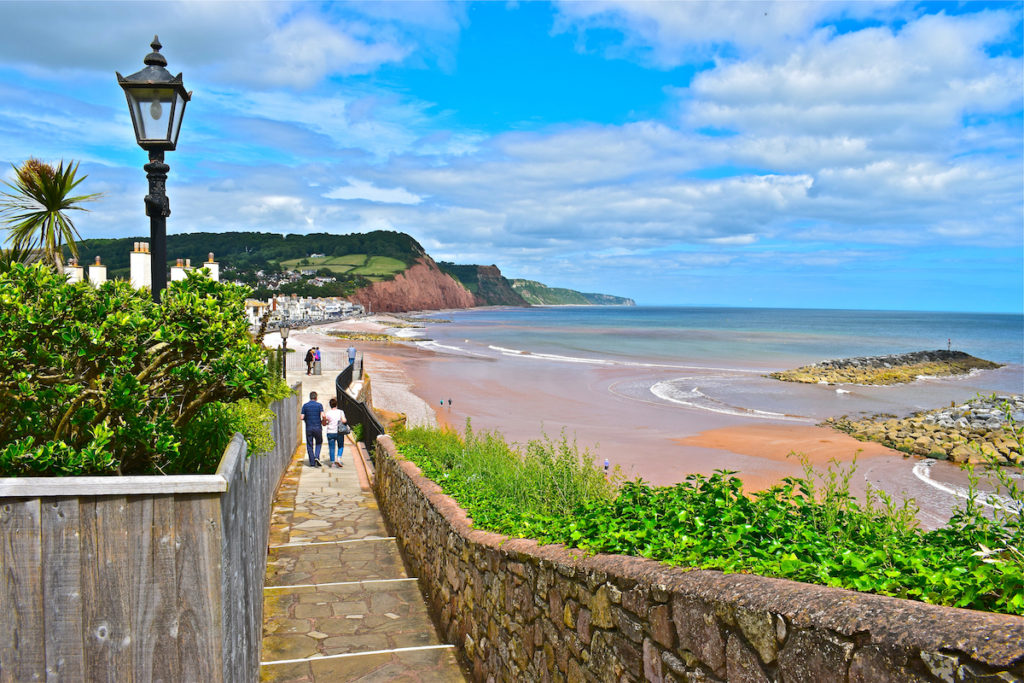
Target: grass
{"points": [[807, 529], [336, 264], [379, 267]]}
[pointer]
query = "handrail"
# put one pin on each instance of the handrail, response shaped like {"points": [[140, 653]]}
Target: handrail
{"points": [[358, 413]]}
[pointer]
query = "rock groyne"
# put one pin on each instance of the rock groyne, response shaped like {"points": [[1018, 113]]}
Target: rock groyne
{"points": [[974, 432], [891, 369]]}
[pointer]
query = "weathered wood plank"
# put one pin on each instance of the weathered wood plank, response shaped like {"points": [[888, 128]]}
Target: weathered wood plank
{"points": [[198, 566], [106, 616], [62, 589], [22, 641], [26, 487], [154, 592], [233, 572]]}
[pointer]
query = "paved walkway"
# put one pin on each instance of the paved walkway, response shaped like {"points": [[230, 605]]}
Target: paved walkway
{"points": [[338, 604]]}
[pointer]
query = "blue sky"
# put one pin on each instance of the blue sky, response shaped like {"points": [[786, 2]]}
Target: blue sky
{"points": [[825, 154]]}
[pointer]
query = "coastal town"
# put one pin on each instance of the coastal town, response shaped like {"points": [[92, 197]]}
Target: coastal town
{"points": [[539, 342]]}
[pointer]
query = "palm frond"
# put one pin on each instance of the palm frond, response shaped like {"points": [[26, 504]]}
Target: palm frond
{"points": [[33, 208]]}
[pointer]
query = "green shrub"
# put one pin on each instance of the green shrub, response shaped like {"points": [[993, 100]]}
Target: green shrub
{"points": [[808, 528], [502, 487], [102, 380]]}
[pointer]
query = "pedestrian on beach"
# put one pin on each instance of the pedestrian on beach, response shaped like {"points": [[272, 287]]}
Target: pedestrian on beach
{"points": [[351, 355], [316, 354], [335, 439], [309, 361], [315, 419]]}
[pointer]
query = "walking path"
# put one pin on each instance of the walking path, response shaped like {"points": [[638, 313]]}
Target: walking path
{"points": [[338, 603]]}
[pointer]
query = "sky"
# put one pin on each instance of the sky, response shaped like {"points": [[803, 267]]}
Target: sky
{"points": [[772, 154]]}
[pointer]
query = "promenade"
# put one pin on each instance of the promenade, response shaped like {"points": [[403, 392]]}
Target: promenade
{"points": [[338, 603]]}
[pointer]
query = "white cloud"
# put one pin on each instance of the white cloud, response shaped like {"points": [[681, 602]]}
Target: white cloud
{"points": [[359, 189], [667, 34]]}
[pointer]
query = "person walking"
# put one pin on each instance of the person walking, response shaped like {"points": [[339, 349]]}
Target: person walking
{"points": [[335, 437], [314, 417], [351, 355], [309, 361]]}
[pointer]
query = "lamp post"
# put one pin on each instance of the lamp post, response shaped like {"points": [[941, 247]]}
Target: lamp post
{"points": [[156, 102], [284, 352]]}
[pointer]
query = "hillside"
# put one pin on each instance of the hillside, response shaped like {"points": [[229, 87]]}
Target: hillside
{"points": [[487, 284], [385, 270], [541, 295]]}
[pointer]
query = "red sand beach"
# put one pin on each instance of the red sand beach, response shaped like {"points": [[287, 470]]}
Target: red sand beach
{"points": [[661, 444]]}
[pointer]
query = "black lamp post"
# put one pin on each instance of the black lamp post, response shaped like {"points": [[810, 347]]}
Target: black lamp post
{"points": [[284, 352], [156, 101]]}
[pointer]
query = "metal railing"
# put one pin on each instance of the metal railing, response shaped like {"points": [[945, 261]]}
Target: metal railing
{"points": [[357, 412]]}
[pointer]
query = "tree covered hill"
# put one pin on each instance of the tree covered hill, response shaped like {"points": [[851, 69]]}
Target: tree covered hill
{"points": [[345, 264], [539, 294], [251, 251]]}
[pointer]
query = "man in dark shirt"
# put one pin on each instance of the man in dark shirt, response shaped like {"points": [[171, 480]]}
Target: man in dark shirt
{"points": [[312, 411]]}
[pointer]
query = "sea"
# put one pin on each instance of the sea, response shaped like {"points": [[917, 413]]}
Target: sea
{"points": [[714, 360]]}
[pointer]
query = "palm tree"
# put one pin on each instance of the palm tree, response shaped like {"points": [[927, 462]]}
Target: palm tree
{"points": [[34, 209]]}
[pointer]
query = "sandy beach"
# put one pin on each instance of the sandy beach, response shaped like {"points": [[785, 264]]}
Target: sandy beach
{"points": [[590, 405]]}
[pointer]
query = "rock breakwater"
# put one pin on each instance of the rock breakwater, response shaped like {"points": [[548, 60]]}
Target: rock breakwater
{"points": [[891, 369], [975, 432]]}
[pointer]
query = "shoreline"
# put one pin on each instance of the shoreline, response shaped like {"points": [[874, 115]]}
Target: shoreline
{"points": [[645, 438]]}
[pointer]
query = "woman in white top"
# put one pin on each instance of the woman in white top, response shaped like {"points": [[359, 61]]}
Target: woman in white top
{"points": [[335, 418]]}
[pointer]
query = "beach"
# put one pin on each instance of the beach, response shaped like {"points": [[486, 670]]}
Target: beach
{"points": [[609, 410]]}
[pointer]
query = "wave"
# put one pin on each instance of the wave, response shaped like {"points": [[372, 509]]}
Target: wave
{"points": [[445, 348], [407, 332], [697, 399], [519, 353]]}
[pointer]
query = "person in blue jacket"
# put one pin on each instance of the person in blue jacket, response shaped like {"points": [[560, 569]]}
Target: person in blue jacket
{"points": [[312, 415]]}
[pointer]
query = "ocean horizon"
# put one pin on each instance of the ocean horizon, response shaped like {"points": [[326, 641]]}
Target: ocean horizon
{"points": [[713, 359]]}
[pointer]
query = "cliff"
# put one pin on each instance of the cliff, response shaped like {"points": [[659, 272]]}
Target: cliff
{"points": [[488, 285], [422, 287], [541, 295]]}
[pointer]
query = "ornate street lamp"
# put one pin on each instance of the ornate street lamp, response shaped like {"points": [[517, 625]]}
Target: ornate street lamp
{"points": [[284, 352], [156, 102]]}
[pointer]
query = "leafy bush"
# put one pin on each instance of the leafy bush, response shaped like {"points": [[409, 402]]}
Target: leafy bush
{"points": [[808, 528], [502, 487], [102, 380]]}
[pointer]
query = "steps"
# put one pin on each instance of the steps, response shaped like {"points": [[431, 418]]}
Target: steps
{"points": [[338, 604]]}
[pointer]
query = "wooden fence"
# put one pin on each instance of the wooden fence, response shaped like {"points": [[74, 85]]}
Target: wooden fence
{"points": [[140, 578]]}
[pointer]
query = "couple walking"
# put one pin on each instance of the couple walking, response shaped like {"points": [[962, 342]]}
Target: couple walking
{"points": [[332, 421]]}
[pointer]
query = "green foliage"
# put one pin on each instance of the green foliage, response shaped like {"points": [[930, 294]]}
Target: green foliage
{"points": [[503, 487], [103, 380], [250, 251], [34, 209], [205, 437], [808, 528]]}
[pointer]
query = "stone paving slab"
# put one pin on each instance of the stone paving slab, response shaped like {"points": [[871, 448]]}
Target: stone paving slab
{"points": [[338, 604], [355, 560], [346, 618], [437, 665]]}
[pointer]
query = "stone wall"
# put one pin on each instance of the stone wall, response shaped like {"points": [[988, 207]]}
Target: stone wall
{"points": [[524, 612]]}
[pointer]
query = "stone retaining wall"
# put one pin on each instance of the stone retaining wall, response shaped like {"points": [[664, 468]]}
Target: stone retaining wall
{"points": [[524, 612]]}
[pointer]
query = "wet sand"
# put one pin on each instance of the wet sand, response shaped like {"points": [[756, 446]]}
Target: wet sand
{"points": [[592, 405]]}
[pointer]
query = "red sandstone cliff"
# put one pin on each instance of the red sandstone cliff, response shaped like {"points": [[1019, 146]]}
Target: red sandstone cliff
{"points": [[422, 287]]}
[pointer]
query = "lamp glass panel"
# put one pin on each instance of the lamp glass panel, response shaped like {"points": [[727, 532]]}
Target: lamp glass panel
{"points": [[178, 115], [151, 112]]}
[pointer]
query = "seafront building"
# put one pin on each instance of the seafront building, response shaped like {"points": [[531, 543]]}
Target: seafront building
{"points": [[293, 310]]}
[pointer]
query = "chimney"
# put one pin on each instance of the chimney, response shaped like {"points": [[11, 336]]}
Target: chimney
{"points": [[178, 270], [74, 271], [140, 261], [97, 273], [214, 268]]}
